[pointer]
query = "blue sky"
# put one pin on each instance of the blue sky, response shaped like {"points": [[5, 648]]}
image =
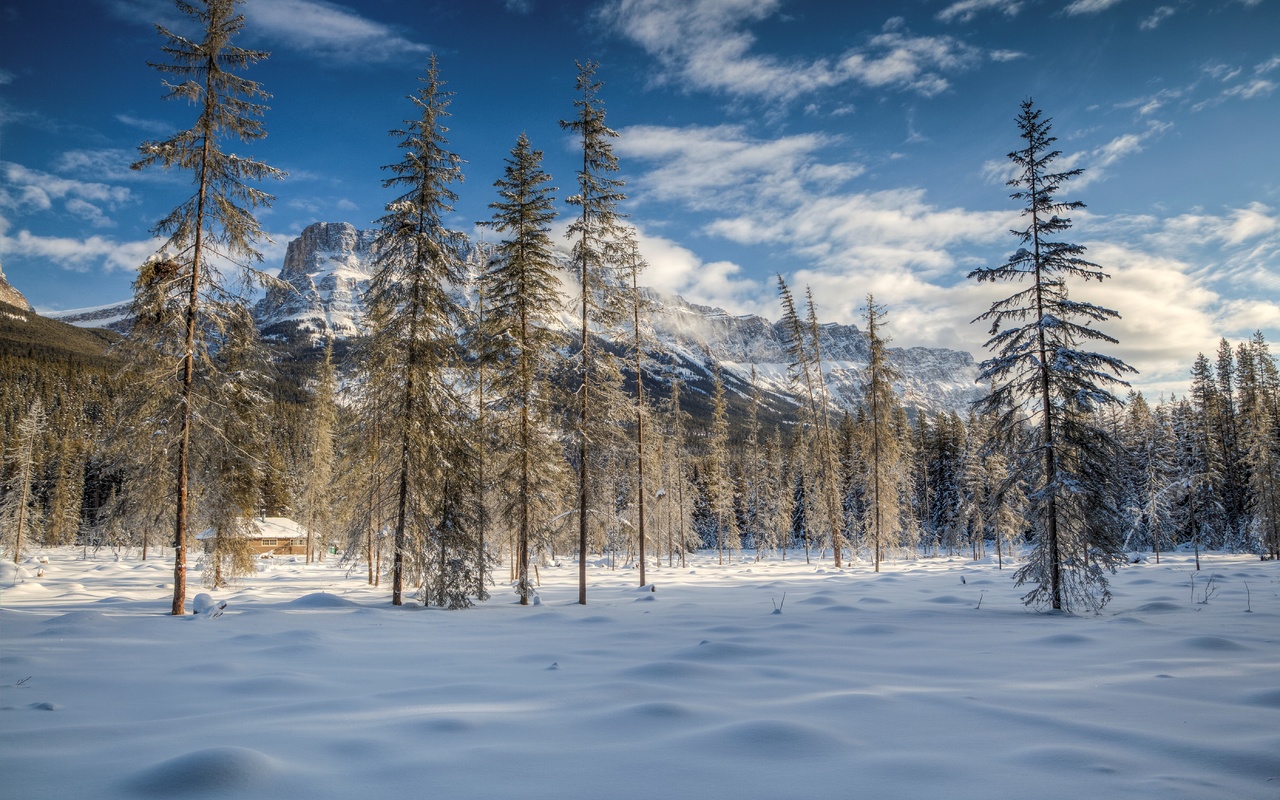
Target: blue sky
{"points": [[853, 147]]}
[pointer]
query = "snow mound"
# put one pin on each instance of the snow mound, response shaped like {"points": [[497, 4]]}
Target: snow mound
{"points": [[776, 738], [1159, 606], [213, 771], [323, 600], [1215, 644]]}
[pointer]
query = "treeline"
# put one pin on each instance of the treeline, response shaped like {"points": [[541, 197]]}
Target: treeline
{"points": [[461, 443]]}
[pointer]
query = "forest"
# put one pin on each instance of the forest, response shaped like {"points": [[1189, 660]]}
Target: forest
{"points": [[462, 441]]}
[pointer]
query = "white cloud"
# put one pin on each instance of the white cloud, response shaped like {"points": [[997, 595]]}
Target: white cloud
{"points": [[6, 77], [317, 28], [706, 44], [37, 191], [705, 167], [720, 284], [966, 10], [89, 213], [1089, 6], [107, 163], [1158, 16], [327, 31], [152, 126], [80, 255]]}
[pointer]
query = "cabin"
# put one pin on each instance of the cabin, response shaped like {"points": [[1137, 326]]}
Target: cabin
{"points": [[269, 536]]}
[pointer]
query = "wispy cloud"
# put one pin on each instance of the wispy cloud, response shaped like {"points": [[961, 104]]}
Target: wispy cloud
{"points": [[1158, 16], [1095, 161], [155, 127], [80, 255], [328, 31], [966, 10], [1088, 6], [706, 167], [317, 28], [32, 190], [1252, 84], [707, 45]]}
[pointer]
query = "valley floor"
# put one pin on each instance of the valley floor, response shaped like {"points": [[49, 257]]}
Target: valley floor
{"points": [[927, 680]]}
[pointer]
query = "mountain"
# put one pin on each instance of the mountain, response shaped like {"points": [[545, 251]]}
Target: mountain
{"points": [[10, 295], [327, 268], [325, 271], [113, 316], [24, 334]]}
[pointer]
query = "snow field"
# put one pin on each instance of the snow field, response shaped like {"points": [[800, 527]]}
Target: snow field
{"points": [[897, 684]]}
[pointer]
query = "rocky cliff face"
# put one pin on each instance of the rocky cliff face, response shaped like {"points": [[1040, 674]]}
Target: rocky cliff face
{"points": [[328, 267], [325, 270], [933, 379], [12, 296]]}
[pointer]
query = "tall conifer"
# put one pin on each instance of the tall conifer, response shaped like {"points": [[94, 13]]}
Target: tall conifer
{"points": [[216, 217], [594, 233], [1039, 370]]}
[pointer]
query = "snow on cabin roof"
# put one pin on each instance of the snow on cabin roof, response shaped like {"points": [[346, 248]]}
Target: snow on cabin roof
{"points": [[264, 528]]}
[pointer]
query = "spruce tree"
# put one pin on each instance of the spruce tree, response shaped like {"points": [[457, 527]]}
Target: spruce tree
{"points": [[217, 217], [882, 457], [523, 294], [593, 233], [1039, 371], [318, 454], [411, 356], [719, 482], [19, 510], [632, 264], [229, 468]]}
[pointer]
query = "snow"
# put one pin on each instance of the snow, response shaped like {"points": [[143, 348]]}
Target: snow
{"points": [[908, 683]]}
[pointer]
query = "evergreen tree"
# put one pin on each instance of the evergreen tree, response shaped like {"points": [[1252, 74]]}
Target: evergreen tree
{"points": [[676, 479], [19, 510], [1039, 370], [318, 458], [410, 357], [218, 216], [779, 506], [882, 458], [523, 294], [633, 264], [594, 233], [1260, 422], [229, 469], [822, 481], [719, 489]]}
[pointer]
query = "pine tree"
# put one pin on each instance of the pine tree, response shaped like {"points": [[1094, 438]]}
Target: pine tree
{"points": [[822, 478], [318, 456], [779, 506], [676, 480], [1259, 388], [1039, 370], [593, 234], [19, 510], [882, 458], [523, 294], [229, 468], [411, 353], [719, 482], [218, 216], [632, 264]]}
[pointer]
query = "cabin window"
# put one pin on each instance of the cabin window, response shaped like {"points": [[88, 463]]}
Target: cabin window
{"points": [[270, 542]]}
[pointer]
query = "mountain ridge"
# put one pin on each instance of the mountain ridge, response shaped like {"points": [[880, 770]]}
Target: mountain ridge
{"points": [[327, 267]]}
